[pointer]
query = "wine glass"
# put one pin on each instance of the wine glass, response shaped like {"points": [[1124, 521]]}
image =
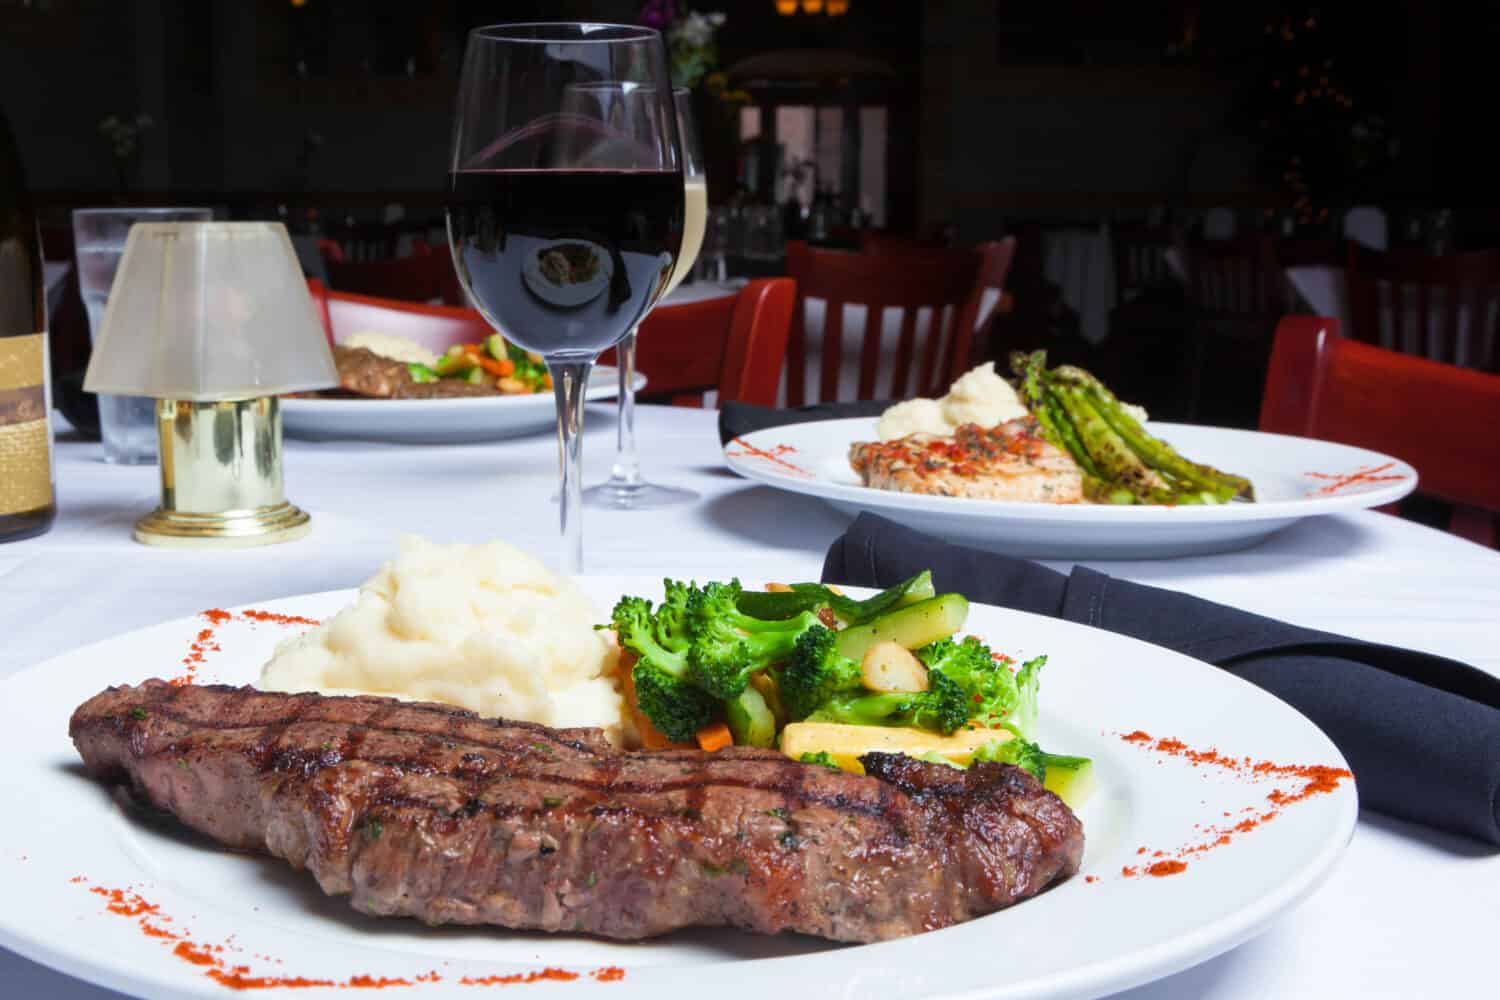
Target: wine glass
{"points": [[565, 216], [626, 489]]}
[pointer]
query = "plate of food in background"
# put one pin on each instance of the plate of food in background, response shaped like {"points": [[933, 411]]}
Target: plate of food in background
{"points": [[472, 772], [392, 388], [1054, 466]]}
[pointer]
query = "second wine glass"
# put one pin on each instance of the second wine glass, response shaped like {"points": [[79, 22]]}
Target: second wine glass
{"points": [[626, 489]]}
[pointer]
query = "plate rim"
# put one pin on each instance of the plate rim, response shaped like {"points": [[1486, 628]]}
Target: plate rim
{"points": [[1131, 968]]}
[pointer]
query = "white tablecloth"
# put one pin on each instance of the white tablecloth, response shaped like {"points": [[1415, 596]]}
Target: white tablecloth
{"points": [[1408, 912]]}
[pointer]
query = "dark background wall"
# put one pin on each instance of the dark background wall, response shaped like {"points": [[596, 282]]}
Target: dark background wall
{"points": [[999, 110]]}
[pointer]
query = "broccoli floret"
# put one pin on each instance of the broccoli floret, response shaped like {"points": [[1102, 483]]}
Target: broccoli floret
{"points": [[662, 689], [728, 646], [672, 616], [675, 707], [1028, 688], [1027, 756], [815, 672], [942, 708], [995, 694], [822, 758]]}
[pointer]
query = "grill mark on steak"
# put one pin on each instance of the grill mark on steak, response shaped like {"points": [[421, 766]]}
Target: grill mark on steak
{"points": [[268, 756], [432, 812]]}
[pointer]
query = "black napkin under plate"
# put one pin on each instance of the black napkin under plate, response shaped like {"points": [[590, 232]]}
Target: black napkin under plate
{"points": [[1420, 732], [739, 419]]}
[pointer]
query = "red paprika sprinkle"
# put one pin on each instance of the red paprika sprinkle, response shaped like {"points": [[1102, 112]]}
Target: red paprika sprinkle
{"points": [[1318, 779], [210, 957]]}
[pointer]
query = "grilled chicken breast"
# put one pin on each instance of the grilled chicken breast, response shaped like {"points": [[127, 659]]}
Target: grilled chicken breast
{"points": [[1010, 461]]}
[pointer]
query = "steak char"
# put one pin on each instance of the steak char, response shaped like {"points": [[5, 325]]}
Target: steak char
{"points": [[432, 812]]}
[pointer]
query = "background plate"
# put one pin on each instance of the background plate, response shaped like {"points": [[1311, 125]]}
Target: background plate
{"points": [[1294, 478], [436, 421]]}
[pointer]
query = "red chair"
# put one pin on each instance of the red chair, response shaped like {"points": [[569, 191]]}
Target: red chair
{"points": [[938, 279], [426, 275], [1445, 308], [1436, 417], [733, 344]]}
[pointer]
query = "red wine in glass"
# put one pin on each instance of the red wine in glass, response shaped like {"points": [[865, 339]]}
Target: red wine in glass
{"points": [[565, 262]]}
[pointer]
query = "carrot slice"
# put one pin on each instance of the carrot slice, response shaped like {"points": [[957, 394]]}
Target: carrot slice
{"points": [[715, 736], [499, 368]]}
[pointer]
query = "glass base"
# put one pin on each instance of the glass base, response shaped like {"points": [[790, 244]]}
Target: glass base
{"points": [[615, 495]]}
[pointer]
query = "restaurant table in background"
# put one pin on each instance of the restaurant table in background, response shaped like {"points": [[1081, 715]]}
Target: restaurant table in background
{"points": [[1401, 891]]}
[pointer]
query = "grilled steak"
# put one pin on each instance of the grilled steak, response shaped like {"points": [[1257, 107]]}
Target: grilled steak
{"points": [[362, 372], [1011, 461], [429, 811]]}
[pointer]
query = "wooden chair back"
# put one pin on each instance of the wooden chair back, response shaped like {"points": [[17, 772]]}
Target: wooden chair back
{"points": [[360, 241], [421, 277], [1310, 251], [1445, 308], [1140, 259], [1438, 418], [939, 280], [733, 344], [1239, 276]]}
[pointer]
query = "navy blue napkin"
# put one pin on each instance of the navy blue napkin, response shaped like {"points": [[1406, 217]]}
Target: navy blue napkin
{"points": [[739, 419], [1420, 732]]}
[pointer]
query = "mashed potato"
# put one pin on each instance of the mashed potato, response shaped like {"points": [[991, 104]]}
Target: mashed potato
{"points": [[980, 396], [915, 416], [389, 345], [484, 627]]}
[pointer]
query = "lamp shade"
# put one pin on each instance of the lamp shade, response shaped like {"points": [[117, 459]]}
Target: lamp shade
{"points": [[209, 311]]}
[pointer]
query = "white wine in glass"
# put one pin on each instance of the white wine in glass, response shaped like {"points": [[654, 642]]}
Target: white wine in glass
{"points": [[696, 220]]}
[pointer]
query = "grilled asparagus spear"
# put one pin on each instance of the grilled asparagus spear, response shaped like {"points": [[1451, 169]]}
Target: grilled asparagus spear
{"points": [[1121, 462]]}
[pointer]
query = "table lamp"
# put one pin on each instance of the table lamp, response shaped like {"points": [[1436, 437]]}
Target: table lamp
{"points": [[214, 321]]}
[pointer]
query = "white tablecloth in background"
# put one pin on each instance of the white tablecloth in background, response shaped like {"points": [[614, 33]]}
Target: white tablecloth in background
{"points": [[1408, 913], [1080, 262], [1324, 290]]}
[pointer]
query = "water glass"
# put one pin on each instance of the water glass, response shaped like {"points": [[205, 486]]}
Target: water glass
{"points": [[127, 423]]}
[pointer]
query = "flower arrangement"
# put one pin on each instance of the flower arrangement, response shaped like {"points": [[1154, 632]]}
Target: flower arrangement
{"points": [[124, 136], [690, 39]]}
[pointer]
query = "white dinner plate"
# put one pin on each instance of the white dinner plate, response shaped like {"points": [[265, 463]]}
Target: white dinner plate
{"points": [[72, 843], [436, 421], [1294, 478]]}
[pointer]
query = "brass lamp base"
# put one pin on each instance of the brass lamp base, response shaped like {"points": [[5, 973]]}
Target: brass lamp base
{"points": [[220, 477], [175, 529]]}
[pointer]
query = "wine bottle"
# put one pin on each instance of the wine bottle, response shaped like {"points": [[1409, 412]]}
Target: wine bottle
{"points": [[27, 496]]}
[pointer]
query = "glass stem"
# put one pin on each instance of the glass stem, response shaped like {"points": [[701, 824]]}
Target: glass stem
{"points": [[568, 381], [627, 468]]}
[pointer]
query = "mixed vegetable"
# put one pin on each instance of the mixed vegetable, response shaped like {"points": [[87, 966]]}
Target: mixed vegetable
{"points": [[508, 368], [828, 678], [1121, 462]]}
